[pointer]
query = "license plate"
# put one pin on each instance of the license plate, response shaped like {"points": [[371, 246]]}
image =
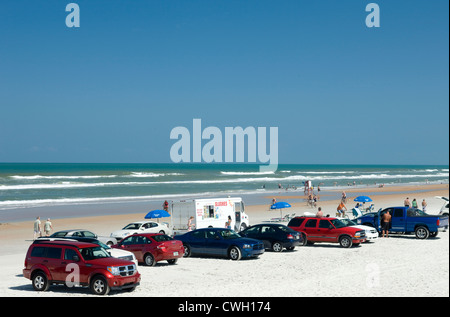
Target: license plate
{"points": [[175, 254]]}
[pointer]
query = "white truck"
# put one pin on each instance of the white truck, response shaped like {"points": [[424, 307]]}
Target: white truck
{"points": [[210, 212]]}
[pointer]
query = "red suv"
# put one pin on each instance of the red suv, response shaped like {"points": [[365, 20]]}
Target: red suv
{"points": [[78, 264], [333, 230], [152, 247]]}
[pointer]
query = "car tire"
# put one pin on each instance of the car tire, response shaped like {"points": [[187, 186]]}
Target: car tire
{"points": [[187, 251], [234, 254], [99, 285], [422, 232], [277, 246], [149, 260], [172, 262], [40, 282], [304, 239], [346, 242]]}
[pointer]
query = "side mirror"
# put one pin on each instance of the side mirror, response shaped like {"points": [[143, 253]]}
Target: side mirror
{"points": [[217, 237], [76, 258]]}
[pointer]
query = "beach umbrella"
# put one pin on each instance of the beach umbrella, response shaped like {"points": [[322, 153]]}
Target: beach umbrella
{"points": [[363, 199], [157, 214], [280, 205]]}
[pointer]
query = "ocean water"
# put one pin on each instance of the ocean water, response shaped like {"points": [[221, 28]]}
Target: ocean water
{"points": [[37, 185]]}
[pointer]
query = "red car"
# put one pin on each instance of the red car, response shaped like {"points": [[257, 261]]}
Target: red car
{"points": [[333, 230], [150, 248], [76, 263]]}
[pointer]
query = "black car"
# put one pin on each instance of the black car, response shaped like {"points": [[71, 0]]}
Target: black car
{"points": [[275, 236]]}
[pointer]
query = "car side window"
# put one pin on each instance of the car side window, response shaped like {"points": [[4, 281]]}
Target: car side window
{"points": [[127, 241], [69, 254], [54, 253], [398, 212], [211, 234], [38, 252], [324, 224], [198, 234], [267, 230], [88, 234], [253, 230], [77, 234], [311, 223], [296, 222], [153, 224]]}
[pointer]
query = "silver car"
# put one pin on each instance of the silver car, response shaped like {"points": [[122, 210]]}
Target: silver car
{"points": [[81, 233]]}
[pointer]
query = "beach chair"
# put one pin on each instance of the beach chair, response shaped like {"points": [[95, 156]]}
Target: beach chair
{"points": [[356, 212]]}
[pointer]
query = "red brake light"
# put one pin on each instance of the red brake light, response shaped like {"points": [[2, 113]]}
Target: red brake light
{"points": [[290, 236], [438, 222]]}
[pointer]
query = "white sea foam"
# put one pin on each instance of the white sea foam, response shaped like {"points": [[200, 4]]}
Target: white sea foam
{"points": [[247, 173]]}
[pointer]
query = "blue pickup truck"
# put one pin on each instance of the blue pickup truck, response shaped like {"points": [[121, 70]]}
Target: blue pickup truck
{"points": [[407, 220]]}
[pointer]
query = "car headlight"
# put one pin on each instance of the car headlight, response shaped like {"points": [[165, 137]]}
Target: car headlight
{"points": [[114, 270], [247, 246], [357, 235]]}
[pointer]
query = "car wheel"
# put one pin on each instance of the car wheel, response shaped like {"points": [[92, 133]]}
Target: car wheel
{"points": [[304, 239], [99, 286], [149, 260], [422, 232], [277, 247], [290, 248], [173, 261], [110, 244], [187, 251], [235, 254], [162, 232], [40, 282], [346, 242], [434, 234]]}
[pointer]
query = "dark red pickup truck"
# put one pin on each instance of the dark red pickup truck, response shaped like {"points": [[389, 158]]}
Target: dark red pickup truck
{"points": [[78, 264], [332, 230]]}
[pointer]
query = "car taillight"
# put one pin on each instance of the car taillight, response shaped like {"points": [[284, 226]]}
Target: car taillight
{"points": [[161, 247], [438, 222], [290, 236]]}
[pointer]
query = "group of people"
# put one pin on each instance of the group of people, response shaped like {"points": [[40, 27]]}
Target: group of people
{"points": [[48, 227], [414, 204]]}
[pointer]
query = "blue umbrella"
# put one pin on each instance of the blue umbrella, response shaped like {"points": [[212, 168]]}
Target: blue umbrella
{"points": [[157, 214], [363, 199], [280, 205]]}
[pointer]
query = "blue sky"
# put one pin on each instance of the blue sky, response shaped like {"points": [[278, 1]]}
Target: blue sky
{"points": [[113, 89]]}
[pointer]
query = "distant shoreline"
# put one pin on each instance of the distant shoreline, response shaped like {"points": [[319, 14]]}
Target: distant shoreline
{"points": [[65, 211]]}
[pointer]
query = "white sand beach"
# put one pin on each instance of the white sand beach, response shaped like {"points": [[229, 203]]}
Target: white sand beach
{"points": [[397, 266]]}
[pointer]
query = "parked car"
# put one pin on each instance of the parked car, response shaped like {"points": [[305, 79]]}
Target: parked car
{"points": [[116, 253], [407, 220], [54, 262], [327, 229], [371, 233], [144, 226], [275, 237], [444, 208], [81, 233], [150, 248], [220, 242]]}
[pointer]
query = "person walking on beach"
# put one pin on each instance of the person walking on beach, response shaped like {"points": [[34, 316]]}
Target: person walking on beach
{"points": [[189, 224], [47, 227], [341, 209], [407, 202], [414, 203], [386, 223], [166, 206], [37, 228], [424, 205], [228, 223]]}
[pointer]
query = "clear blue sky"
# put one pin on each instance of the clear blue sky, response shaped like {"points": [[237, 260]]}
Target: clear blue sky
{"points": [[113, 89]]}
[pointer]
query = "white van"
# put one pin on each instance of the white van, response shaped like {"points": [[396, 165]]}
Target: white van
{"points": [[210, 212]]}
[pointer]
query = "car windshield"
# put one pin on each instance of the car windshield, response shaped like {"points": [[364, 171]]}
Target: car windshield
{"points": [[94, 253], [229, 234], [132, 226], [341, 223]]}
